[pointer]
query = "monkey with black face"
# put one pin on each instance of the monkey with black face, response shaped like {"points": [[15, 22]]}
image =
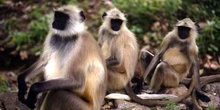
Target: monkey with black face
{"points": [[119, 47], [74, 68], [178, 54]]}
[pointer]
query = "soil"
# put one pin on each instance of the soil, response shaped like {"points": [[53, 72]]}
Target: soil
{"points": [[9, 100]]}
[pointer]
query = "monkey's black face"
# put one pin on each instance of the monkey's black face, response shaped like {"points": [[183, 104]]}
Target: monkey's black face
{"points": [[60, 20], [116, 24], [183, 32]]}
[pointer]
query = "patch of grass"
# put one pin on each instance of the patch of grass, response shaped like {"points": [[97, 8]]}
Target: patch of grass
{"points": [[172, 106], [3, 85], [165, 99], [37, 30], [210, 107]]}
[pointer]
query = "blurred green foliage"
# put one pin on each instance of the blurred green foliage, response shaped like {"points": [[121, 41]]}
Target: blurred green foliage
{"points": [[209, 39], [210, 107], [3, 85], [36, 32], [143, 14], [152, 19], [172, 106]]}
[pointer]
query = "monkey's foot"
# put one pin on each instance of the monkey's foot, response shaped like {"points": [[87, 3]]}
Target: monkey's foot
{"points": [[202, 96], [30, 105]]}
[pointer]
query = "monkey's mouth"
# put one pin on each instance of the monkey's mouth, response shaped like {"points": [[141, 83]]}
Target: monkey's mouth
{"points": [[116, 24], [183, 32]]}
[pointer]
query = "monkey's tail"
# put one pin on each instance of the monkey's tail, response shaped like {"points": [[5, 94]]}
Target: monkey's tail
{"points": [[149, 102], [209, 79]]}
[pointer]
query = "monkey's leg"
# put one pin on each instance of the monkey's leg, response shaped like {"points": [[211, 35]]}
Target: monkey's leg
{"points": [[145, 59], [65, 100], [163, 75], [39, 87], [40, 100], [148, 57]]}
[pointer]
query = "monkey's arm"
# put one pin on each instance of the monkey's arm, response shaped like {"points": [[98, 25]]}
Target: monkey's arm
{"points": [[36, 88], [152, 64], [196, 76], [166, 43], [35, 69]]}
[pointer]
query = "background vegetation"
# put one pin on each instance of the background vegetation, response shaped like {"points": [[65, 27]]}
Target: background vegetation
{"points": [[24, 24]]}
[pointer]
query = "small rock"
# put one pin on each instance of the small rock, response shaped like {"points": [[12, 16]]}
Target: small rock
{"points": [[212, 88], [9, 101], [215, 102], [178, 91], [130, 105], [182, 106]]}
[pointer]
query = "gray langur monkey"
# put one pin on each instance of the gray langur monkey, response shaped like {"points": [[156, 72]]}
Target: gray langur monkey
{"points": [[73, 65], [119, 47], [177, 55]]}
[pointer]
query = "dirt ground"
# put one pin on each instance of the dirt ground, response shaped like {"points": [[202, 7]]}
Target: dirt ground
{"points": [[9, 100]]}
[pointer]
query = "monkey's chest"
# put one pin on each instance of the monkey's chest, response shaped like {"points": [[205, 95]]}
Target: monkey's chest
{"points": [[177, 60], [106, 49], [55, 68]]}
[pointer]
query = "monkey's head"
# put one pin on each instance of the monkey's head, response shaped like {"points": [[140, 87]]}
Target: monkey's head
{"points": [[114, 20], [68, 20], [187, 28]]}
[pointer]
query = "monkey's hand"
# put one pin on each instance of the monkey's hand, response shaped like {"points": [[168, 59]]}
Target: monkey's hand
{"points": [[32, 95], [22, 88], [139, 83], [111, 61]]}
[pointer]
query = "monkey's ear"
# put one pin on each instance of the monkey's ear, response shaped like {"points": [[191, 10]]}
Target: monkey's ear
{"points": [[82, 15], [104, 15], [177, 20], [197, 25]]}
